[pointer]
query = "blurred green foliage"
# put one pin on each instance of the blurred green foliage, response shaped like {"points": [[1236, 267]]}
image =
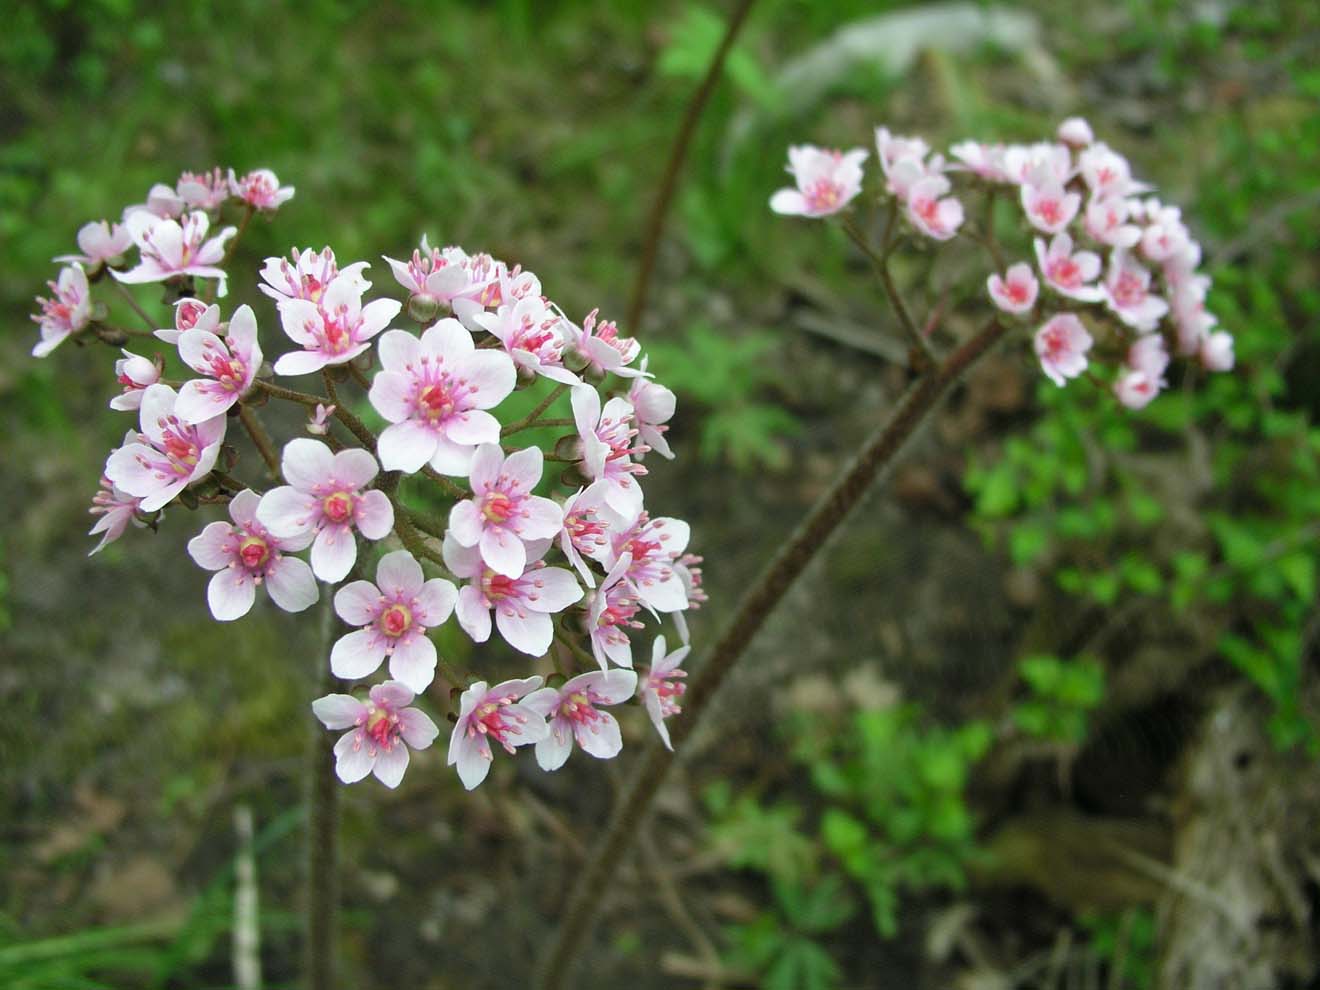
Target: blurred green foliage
{"points": [[1061, 695], [889, 816]]}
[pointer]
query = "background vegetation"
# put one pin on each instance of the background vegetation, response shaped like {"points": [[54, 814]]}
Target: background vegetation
{"points": [[1046, 713]]}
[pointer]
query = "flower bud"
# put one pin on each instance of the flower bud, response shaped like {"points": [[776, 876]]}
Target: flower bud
{"points": [[569, 447], [575, 360], [423, 307]]}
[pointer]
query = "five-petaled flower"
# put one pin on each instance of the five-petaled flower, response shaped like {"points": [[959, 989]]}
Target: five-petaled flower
{"points": [[1061, 344], [381, 731], [523, 604], [394, 615], [169, 454], [489, 715], [245, 555], [435, 392], [334, 330], [503, 514], [324, 497], [827, 181], [574, 714]]}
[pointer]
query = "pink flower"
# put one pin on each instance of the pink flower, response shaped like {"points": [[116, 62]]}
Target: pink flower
{"points": [[333, 331], [1061, 345], [1067, 273], [381, 731], [1049, 207], [611, 611], [1217, 351], [318, 424], [306, 275], [435, 273], [134, 372], [67, 311], [230, 364], [690, 574], [169, 249], [1075, 131], [100, 242], [203, 191], [984, 160], [573, 711], [607, 447], [933, 216], [585, 531], [1106, 222], [261, 189], [116, 508], [503, 513], [491, 284], [492, 714], [529, 331], [324, 497], [1146, 361], [600, 345], [394, 615], [827, 181], [1038, 164], [661, 685], [162, 201], [1127, 293], [245, 555], [1107, 173], [435, 392], [523, 605], [894, 148], [191, 314], [169, 455], [1165, 236], [653, 545], [653, 406], [1015, 292]]}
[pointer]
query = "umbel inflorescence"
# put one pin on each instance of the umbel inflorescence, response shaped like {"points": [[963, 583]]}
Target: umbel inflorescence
{"points": [[566, 565], [1106, 272]]}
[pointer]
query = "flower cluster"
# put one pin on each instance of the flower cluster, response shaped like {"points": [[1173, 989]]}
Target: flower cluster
{"points": [[1109, 273], [567, 565]]}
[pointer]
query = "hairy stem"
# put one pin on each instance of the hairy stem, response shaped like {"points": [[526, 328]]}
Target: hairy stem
{"points": [[756, 606], [322, 830], [655, 223], [280, 392], [355, 425]]}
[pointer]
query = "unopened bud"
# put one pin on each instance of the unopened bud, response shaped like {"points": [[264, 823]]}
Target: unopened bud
{"points": [[569, 447], [423, 308], [526, 377], [574, 359]]}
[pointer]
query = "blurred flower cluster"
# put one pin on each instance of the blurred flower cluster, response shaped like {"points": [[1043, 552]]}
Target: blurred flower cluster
{"points": [[1118, 266]]}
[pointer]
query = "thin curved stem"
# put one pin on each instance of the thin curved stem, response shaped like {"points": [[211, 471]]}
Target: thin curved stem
{"points": [[655, 223], [756, 606], [133, 305], [280, 392], [922, 357], [458, 491], [355, 425], [530, 418]]}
